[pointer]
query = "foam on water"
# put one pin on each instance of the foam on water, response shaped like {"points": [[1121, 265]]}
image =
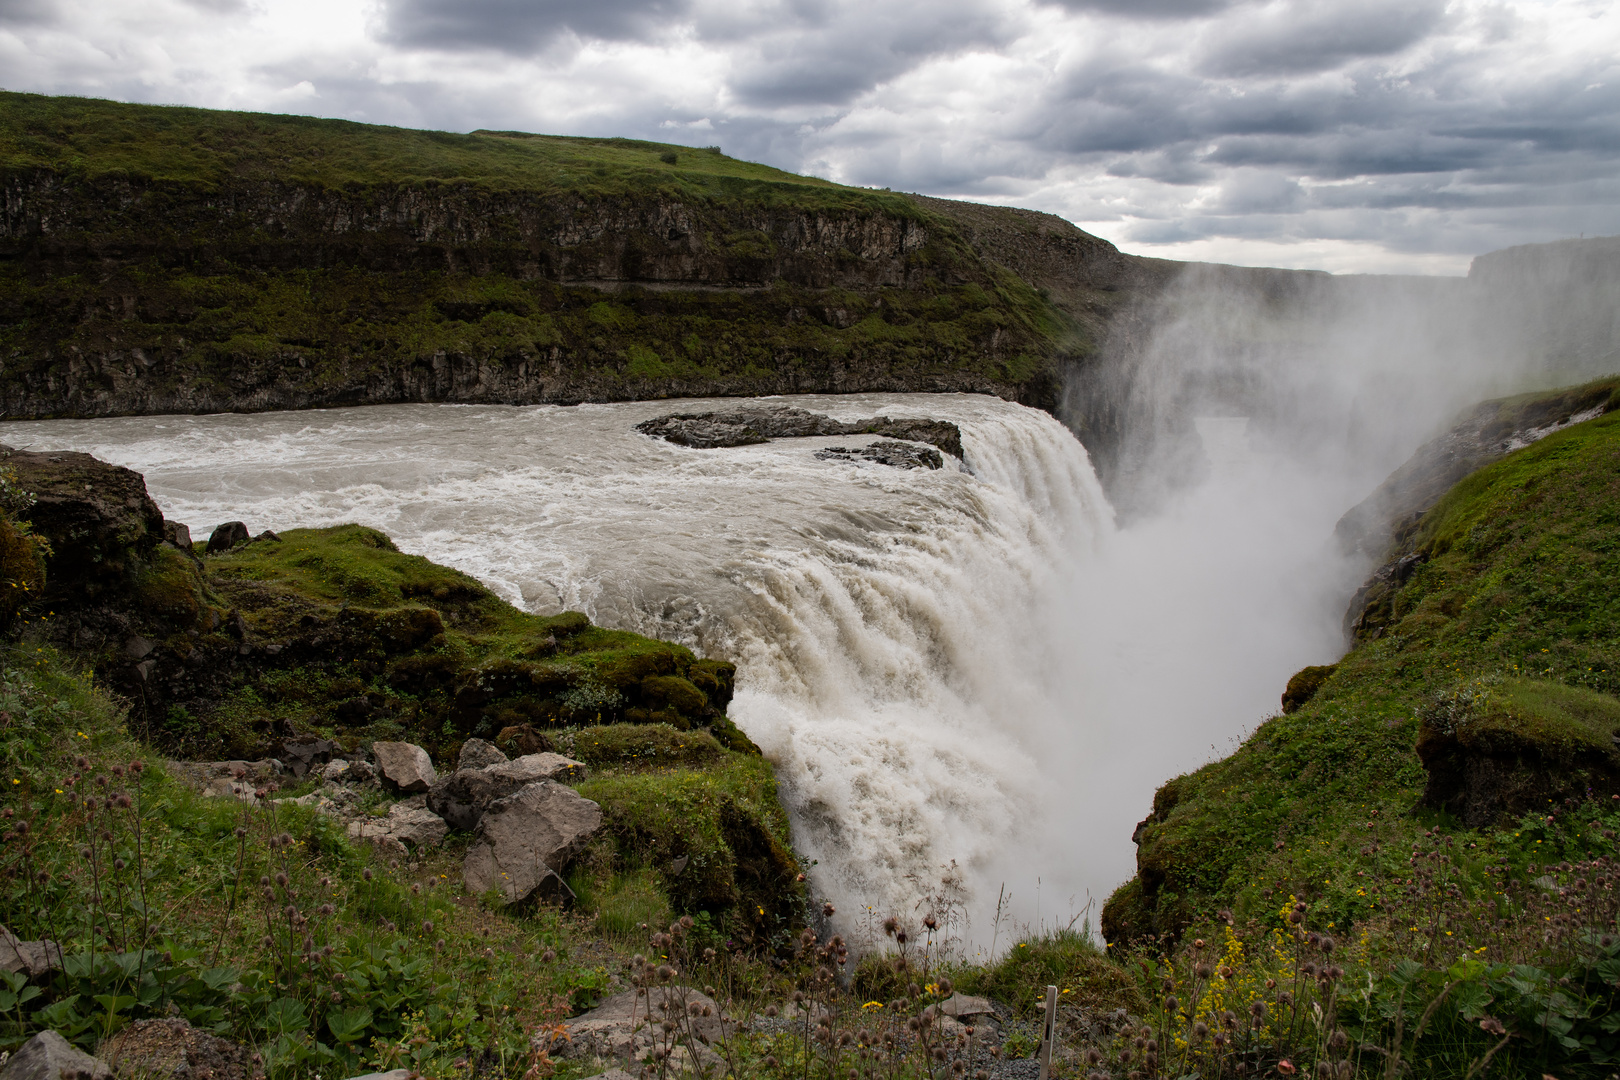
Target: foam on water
{"points": [[887, 624]]}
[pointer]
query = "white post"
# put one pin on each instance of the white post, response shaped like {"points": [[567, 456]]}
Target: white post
{"points": [[1047, 1032]]}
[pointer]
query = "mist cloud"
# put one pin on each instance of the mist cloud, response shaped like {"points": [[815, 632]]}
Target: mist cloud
{"points": [[1350, 134]]}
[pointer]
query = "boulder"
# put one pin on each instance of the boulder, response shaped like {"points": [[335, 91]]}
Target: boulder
{"points": [[48, 1056], [405, 766], [964, 1008], [35, 959], [227, 536], [152, 1049], [762, 423], [476, 753], [523, 739], [177, 534], [301, 754], [97, 518], [528, 837], [412, 826], [463, 797], [898, 455], [625, 1027]]}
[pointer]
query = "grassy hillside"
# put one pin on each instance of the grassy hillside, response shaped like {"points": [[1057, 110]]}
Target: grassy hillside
{"points": [[1456, 773], [92, 139]]}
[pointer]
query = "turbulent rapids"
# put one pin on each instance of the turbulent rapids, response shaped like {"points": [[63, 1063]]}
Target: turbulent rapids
{"points": [[967, 666]]}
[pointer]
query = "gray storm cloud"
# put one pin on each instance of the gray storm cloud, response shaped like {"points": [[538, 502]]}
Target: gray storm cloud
{"points": [[1348, 134]]}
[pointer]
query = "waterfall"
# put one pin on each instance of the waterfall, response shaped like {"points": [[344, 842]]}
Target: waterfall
{"points": [[893, 628]]}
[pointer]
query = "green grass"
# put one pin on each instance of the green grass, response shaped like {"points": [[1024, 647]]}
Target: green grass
{"points": [[1512, 626], [435, 655], [206, 148]]}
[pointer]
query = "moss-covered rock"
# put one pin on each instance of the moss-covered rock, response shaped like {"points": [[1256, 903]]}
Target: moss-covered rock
{"points": [[1495, 751], [1304, 684], [331, 632]]}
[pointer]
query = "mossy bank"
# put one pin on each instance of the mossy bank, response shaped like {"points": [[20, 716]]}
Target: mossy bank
{"points": [[1482, 687]]}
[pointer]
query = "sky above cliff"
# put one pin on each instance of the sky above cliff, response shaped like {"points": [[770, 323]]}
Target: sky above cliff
{"points": [[1347, 135]]}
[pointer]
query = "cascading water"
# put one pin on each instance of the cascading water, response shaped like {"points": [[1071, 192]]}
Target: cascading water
{"points": [[888, 624]]}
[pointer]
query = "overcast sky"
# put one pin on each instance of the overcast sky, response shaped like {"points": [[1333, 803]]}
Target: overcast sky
{"points": [[1347, 135]]}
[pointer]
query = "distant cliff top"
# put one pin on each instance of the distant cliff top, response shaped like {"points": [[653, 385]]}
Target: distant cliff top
{"points": [[94, 139]]}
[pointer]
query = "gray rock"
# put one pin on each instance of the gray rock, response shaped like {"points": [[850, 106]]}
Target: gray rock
{"points": [[227, 536], [476, 753], [406, 766], [757, 424], [412, 826], [625, 1027], [463, 797], [332, 772], [391, 1074], [33, 958], [229, 779], [172, 1048], [178, 535], [48, 1056], [961, 1006], [899, 455], [301, 755], [528, 837], [359, 773]]}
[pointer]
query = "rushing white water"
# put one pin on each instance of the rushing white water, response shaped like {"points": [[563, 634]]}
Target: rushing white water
{"points": [[889, 625], [970, 665]]}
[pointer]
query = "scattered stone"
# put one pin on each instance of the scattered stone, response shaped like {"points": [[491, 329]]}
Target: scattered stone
{"points": [[150, 1049], [476, 753], [266, 535], [625, 1027], [411, 826], [405, 765], [757, 424], [896, 454], [360, 774], [48, 1056], [333, 771], [465, 795], [528, 837], [230, 779], [391, 1074], [227, 536], [35, 959]]}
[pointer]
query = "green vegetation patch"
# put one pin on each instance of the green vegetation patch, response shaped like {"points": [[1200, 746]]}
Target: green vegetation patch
{"points": [[335, 632], [1499, 656]]}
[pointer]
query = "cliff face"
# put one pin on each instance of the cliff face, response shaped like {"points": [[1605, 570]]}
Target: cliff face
{"points": [[56, 222], [164, 260]]}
